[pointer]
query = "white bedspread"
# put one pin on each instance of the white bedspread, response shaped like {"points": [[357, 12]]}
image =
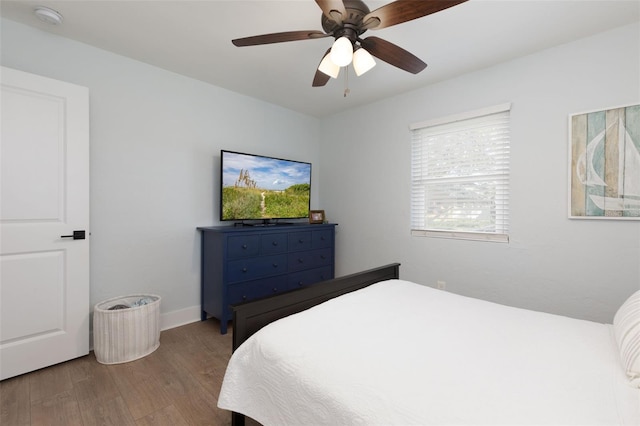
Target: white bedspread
{"points": [[398, 353]]}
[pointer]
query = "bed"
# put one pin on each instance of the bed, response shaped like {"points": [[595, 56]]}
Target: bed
{"points": [[371, 349]]}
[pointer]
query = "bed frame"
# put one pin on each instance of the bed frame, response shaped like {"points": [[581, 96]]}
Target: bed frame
{"points": [[252, 316]]}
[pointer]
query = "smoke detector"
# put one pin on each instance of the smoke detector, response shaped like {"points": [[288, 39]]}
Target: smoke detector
{"points": [[48, 15]]}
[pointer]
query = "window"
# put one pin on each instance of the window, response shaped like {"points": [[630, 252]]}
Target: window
{"points": [[460, 176]]}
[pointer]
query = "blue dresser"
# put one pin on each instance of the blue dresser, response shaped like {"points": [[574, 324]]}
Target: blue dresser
{"points": [[240, 264]]}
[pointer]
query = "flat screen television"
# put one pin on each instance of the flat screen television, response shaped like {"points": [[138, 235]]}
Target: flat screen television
{"points": [[256, 187]]}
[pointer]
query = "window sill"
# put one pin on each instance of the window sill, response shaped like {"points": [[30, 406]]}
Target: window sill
{"points": [[459, 235]]}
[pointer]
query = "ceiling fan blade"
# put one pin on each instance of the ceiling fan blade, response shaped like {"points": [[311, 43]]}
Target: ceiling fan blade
{"points": [[392, 54], [401, 11], [320, 79], [279, 37], [333, 9]]}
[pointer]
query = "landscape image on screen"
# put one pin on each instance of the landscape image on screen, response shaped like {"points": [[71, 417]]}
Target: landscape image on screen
{"points": [[255, 187]]}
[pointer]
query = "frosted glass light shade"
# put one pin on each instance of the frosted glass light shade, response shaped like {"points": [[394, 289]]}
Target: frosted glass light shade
{"points": [[362, 61], [328, 67], [342, 52]]}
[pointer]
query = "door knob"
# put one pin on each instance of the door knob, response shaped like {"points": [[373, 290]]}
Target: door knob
{"points": [[77, 235]]}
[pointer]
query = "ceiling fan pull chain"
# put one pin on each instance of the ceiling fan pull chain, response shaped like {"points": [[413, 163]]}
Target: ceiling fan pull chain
{"points": [[346, 81]]}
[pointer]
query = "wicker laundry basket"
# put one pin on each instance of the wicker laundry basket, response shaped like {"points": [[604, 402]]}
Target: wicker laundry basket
{"points": [[124, 329]]}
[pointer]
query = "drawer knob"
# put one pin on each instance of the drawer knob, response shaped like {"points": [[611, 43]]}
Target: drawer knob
{"points": [[244, 269], [244, 247], [244, 297], [301, 241], [275, 289], [300, 260], [322, 257], [300, 283], [275, 265], [275, 243]]}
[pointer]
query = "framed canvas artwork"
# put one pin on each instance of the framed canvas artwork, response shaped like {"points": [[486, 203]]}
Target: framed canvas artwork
{"points": [[604, 156]]}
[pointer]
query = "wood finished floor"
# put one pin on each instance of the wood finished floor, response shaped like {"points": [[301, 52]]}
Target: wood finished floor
{"points": [[178, 384]]}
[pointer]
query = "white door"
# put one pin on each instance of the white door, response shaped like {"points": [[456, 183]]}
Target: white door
{"points": [[44, 287]]}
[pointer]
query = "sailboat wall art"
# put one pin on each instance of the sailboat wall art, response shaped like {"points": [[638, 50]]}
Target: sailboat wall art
{"points": [[604, 150]]}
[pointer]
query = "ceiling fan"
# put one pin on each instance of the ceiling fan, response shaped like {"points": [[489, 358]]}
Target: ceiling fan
{"points": [[346, 21]]}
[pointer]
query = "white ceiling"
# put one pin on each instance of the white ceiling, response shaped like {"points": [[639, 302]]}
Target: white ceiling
{"points": [[193, 38]]}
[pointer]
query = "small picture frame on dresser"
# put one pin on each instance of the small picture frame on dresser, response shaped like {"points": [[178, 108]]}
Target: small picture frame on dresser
{"points": [[316, 216]]}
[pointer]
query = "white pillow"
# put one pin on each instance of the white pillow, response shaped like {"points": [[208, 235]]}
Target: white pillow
{"points": [[626, 326]]}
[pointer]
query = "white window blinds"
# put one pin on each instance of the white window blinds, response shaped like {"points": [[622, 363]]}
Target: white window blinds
{"points": [[460, 176]]}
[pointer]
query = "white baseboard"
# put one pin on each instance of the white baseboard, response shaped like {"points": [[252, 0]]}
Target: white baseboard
{"points": [[180, 317]]}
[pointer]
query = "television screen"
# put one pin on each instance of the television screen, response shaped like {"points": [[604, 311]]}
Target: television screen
{"points": [[255, 187]]}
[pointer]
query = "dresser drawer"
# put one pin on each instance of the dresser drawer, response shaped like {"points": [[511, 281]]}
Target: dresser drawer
{"points": [[237, 293], [243, 246], [312, 276], [251, 290], [322, 238], [251, 269], [267, 287], [300, 240], [310, 259], [273, 243]]}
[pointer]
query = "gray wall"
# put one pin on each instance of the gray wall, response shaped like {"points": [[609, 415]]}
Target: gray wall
{"points": [[580, 268], [156, 137]]}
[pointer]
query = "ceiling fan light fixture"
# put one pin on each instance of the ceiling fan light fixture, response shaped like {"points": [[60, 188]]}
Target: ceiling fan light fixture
{"points": [[362, 61], [345, 21], [328, 67], [342, 52]]}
